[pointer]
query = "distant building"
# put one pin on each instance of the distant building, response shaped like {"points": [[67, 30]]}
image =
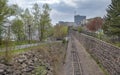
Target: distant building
{"points": [[79, 19], [67, 23]]}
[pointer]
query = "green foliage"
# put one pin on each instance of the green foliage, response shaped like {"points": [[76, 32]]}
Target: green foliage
{"points": [[117, 44], [18, 30], [0, 34], [112, 20], [64, 41], [100, 34], [45, 22], [41, 70], [27, 19], [60, 31], [5, 12], [16, 9], [38, 21], [37, 15], [80, 29]]}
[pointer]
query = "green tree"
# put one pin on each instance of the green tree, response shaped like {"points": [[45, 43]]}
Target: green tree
{"points": [[60, 31], [5, 12], [45, 22], [112, 19], [27, 19], [37, 15], [17, 10], [17, 28]]}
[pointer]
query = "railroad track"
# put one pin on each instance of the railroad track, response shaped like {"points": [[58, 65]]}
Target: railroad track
{"points": [[77, 68]]}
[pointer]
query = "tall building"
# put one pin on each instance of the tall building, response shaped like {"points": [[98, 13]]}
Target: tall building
{"points": [[78, 19]]}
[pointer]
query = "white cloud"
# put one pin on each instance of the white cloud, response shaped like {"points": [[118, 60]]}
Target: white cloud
{"points": [[64, 12], [48, 1], [27, 3], [21, 3], [72, 3], [60, 16]]}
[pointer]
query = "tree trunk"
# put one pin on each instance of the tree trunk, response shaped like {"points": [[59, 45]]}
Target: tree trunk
{"points": [[119, 38], [41, 35], [39, 32], [0, 41]]}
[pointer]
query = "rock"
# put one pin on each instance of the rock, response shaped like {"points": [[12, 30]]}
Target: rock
{"points": [[47, 66], [49, 73], [30, 62], [24, 65], [30, 69], [1, 71], [35, 59], [17, 72], [2, 68], [2, 60], [22, 59]]}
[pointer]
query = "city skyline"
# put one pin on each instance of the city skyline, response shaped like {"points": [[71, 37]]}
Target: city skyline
{"points": [[63, 10]]}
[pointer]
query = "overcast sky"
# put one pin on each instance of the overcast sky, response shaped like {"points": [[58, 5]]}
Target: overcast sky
{"points": [[64, 10]]}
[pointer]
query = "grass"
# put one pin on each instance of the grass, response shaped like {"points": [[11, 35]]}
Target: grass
{"points": [[101, 66], [117, 44], [7, 56], [23, 42], [52, 52], [15, 51], [15, 43], [23, 50], [40, 70]]}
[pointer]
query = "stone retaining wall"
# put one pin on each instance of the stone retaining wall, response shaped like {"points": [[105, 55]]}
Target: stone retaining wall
{"points": [[107, 54]]}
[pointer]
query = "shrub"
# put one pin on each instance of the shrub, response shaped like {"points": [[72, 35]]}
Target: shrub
{"points": [[80, 29], [60, 31]]}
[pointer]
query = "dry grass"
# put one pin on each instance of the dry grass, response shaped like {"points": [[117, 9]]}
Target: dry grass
{"points": [[55, 54]]}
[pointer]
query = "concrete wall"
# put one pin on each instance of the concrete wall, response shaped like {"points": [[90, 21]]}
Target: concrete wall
{"points": [[107, 54]]}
